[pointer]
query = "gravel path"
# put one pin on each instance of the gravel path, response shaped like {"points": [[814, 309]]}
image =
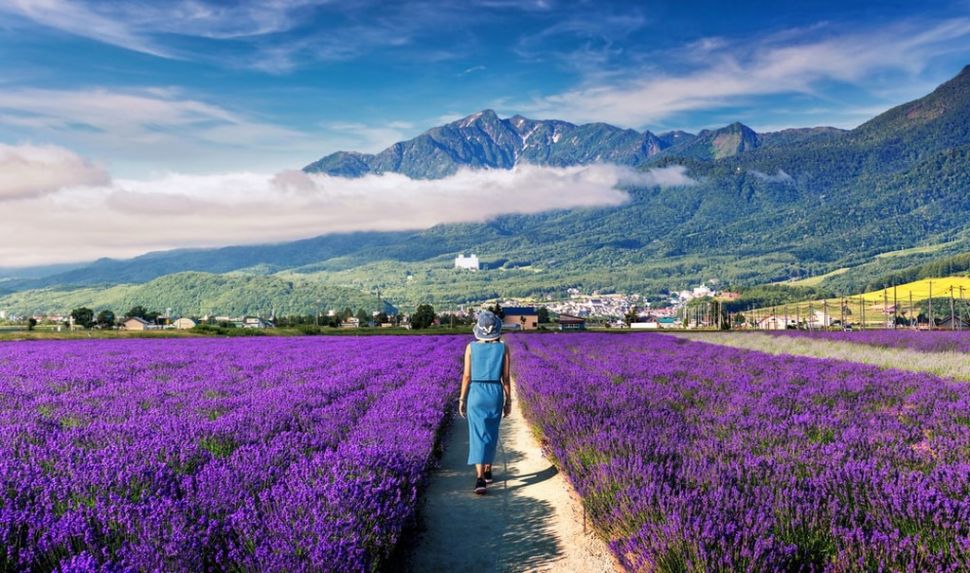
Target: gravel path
{"points": [[530, 520]]}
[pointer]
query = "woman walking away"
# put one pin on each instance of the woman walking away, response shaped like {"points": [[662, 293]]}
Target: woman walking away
{"points": [[486, 394]]}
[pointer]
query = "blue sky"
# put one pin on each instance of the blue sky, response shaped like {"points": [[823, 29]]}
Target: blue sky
{"points": [[199, 86], [196, 115]]}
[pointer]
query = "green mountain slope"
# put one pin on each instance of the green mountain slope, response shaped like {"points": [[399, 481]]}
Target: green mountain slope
{"points": [[765, 208], [197, 294]]}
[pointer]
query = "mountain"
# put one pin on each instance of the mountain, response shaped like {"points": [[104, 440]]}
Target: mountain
{"points": [[717, 143], [888, 195], [485, 140]]}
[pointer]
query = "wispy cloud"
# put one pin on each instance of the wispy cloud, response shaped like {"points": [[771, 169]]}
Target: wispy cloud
{"points": [[137, 26], [724, 72], [274, 36], [780, 177], [368, 138], [145, 124], [248, 207]]}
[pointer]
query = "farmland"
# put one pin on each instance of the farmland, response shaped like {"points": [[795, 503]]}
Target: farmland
{"points": [[311, 453], [277, 454], [695, 457], [875, 308]]}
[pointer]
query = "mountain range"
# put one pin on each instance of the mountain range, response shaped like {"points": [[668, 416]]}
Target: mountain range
{"points": [[484, 140], [766, 207]]}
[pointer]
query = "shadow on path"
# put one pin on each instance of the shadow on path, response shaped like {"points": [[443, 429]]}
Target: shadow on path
{"points": [[505, 530]]}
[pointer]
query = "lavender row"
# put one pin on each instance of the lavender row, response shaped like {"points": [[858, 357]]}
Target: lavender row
{"points": [[274, 454], [694, 457], [921, 340]]}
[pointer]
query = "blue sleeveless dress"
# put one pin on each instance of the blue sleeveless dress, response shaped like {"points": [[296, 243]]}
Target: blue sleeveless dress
{"points": [[486, 398]]}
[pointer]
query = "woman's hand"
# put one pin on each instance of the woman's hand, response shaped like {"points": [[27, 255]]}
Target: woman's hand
{"points": [[462, 409], [508, 408]]}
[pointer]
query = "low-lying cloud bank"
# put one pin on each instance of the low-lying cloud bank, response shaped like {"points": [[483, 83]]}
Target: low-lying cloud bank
{"points": [[31, 171], [61, 209]]}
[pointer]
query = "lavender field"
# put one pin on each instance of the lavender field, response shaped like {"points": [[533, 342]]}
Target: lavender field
{"points": [[275, 454], [923, 341], [695, 457]]}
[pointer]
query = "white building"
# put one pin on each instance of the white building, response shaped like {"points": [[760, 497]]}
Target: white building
{"points": [[702, 291], [468, 263], [184, 324]]}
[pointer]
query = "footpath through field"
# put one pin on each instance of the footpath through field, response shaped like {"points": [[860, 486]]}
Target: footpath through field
{"points": [[954, 365], [529, 521]]}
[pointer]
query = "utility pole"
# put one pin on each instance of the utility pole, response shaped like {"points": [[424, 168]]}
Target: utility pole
{"points": [[317, 319], [885, 303], [953, 323], [862, 312], [911, 317], [963, 306], [931, 305], [895, 307]]}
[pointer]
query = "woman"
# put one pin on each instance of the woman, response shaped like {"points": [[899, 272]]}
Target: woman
{"points": [[486, 394]]}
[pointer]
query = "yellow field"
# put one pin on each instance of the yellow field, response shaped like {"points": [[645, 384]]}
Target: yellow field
{"points": [[876, 306], [921, 289]]}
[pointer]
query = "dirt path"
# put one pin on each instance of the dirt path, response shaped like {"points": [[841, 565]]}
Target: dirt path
{"points": [[528, 521]]}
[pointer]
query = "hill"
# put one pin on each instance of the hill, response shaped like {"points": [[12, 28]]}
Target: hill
{"points": [[197, 294], [765, 208]]}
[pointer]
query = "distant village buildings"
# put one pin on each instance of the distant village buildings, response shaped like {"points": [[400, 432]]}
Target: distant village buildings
{"points": [[520, 318], [136, 323]]}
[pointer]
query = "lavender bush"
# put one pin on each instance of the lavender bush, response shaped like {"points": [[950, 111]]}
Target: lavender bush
{"points": [[695, 457], [275, 454], [923, 341]]}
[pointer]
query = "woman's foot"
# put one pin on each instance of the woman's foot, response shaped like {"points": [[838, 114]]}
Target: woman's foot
{"points": [[480, 486], [488, 476]]}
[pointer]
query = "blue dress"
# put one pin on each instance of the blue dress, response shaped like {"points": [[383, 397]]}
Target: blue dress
{"points": [[486, 399]]}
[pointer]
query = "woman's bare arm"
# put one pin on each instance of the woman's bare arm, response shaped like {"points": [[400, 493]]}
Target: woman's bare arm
{"points": [[466, 378], [507, 380]]}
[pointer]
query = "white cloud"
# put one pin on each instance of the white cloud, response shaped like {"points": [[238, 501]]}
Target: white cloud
{"points": [[28, 171], [721, 73], [672, 176], [367, 138], [141, 125], [130, 217], [136, 25], [780, 177]]}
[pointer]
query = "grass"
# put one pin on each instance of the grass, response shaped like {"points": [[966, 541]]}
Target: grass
{"points": [[914, 251], [816, 280], [953, 365]]}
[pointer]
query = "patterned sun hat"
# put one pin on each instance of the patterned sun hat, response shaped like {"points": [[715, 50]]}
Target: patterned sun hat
{"points": [[489, 326]]}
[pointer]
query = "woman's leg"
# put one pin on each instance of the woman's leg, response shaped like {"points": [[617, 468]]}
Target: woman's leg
{"points": [[479, 470]]}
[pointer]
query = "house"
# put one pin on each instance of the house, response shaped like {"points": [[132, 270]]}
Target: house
{"points": [[667, 322], [351, 322], [520, 318], [570, 322], [256, 322], [183, 324], [772, 322], [469, 263], [953, 323], [819, 319], [136, 323]]}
